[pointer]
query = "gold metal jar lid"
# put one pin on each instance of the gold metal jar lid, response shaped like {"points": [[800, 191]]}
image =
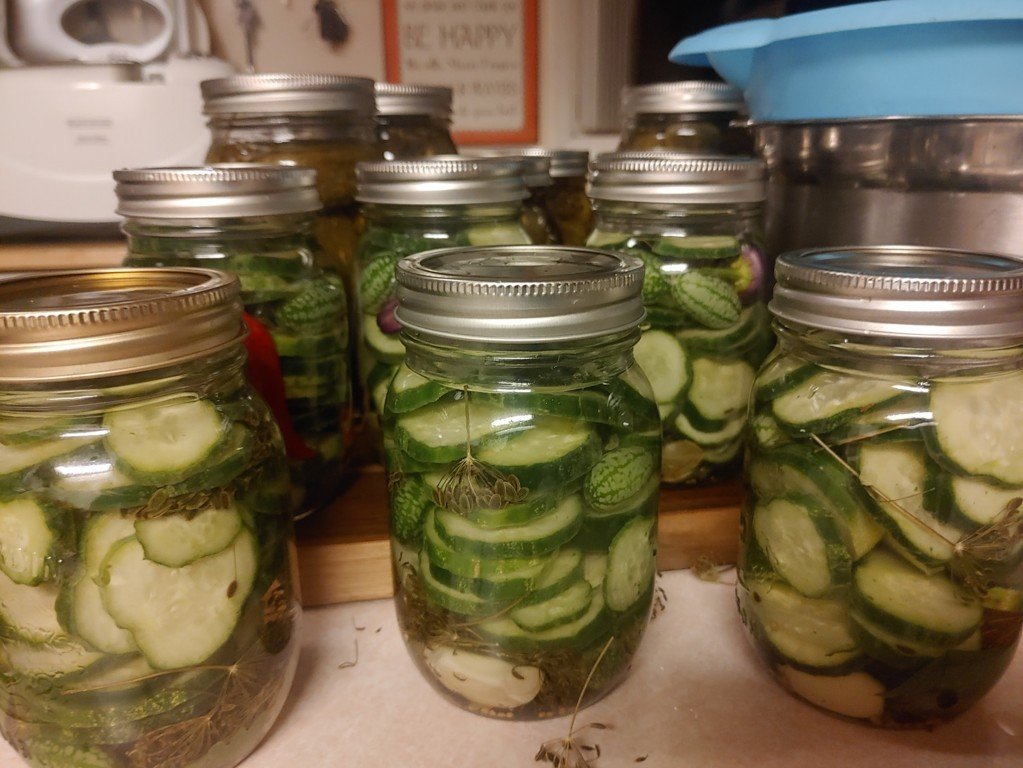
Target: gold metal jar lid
{"points": [[89, 324]]}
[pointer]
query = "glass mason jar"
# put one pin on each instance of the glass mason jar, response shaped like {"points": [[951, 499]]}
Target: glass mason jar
{"points": [[696, 224], [418, 205], [535, 168], [413, 121], [256, 222], [523, 475], [685, 116], [323, 122], [881, 567], [146, 588], [567, 201]]}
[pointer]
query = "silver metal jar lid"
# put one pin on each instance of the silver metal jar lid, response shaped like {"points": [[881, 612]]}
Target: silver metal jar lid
{"points": [[902, 292], [519, 294], [684, 96], [88, 324], [534, 168], [440, 180], [401, 99], [670, 177], [563, 162], [227, 190], [270, 94]]}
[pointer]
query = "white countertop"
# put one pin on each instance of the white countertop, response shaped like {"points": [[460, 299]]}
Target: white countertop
{"points": [[697, 696]]}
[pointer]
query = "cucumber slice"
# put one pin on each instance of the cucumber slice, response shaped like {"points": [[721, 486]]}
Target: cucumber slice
{"points": [[911, 604], [879, 642], [726, 434], [30, 612], [25, 540], [453, 598], [665, 364], [564, 568], [16, 459], [697, 246], [497, 233], [517, 514], [780, 375], [564, 607], [829, 398], [164, 441], [751, 331], [542, 535], [720, 392], [48, 661], [174, 540], [980, 503], [437, 432], [486, 681], [496, 569], [767, 432], [500, 588], [804, 544], [815, 473], [975, 426], [410, 390], [21, 430], [901, 481], [90, 620], [595, 568], [178, 616], [549, 454], [630, 564], [680, 459], [904, 418], [811, 633], [100, 534], [580, 633], [856, 695], [386, 347]]}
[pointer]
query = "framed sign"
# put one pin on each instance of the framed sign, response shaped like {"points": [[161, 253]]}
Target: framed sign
{"points": [[484, 50]]}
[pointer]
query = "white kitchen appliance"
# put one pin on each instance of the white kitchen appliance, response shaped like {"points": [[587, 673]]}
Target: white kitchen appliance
{"points": [[87, 87]]}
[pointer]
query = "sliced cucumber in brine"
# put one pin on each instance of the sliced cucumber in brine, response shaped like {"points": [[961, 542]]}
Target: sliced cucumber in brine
{"points": [[829, 398], [911, 604], [177, 540], [719, 393], [811, 633], [630, 565], [178, 616], [410, 390], [25, 540], [665, 364], [436, 433], [164, 441], [804, 543], [549, 453], [976, 426]]}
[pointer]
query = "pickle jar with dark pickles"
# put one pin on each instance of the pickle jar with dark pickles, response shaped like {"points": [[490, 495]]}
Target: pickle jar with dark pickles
{"points": [[881, 561], [686, 116], [522, 457], [323, 122], [695, 222], [257, 223], [413, 121], [535, 168], [146, 593]]}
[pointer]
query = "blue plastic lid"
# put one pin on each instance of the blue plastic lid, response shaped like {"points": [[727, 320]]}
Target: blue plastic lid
{"points": [[896, 57]]}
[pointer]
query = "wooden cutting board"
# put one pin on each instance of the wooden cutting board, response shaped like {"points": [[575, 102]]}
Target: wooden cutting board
{"points": [[344, 552]]}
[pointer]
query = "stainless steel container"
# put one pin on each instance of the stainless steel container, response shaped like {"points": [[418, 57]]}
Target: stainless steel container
{"points": [[955, 182]]}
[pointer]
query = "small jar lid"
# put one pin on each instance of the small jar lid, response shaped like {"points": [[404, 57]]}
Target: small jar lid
{"points": [[902, 292], [223, 191], [270, 94], [519, 294], [682, 97], [89, 324], [670, 177], [440, 180], [402, 99]]}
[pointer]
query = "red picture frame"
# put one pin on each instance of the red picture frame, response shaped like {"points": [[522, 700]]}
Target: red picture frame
{"points": [[453, 12]]}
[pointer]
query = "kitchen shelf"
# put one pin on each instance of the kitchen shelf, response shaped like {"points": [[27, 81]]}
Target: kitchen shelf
{"points": [[23, 257], [344, 555]]}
